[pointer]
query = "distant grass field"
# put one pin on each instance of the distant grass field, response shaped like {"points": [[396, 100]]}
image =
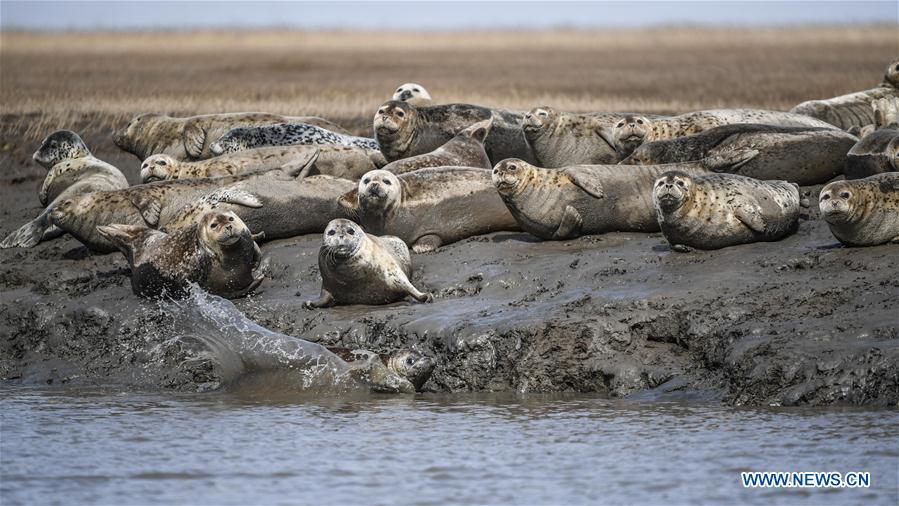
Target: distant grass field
{"points": [[97, 81]]}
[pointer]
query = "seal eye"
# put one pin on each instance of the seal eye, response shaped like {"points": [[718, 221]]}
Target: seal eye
{"points": [[415, 89], [332, 232], [681, 184], [387, 182], [366, 181], [512, 166], [826, 196], [381, 111], [844, 195], [399, 89], [410, 361], [231, 218], [541, 113], [351, 231], [620, 124], [161, 162], [639, 121], [400, 114], [214, 226]]}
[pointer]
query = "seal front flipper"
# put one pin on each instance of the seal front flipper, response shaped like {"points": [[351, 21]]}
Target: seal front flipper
{"points": [[570, 226], [729, 160], [324, 300], [149, 207], [194, 139], [298, 169], [122, 236], [680, 248], [427, 243], [750, 216], [52, 232], [585, 180]]}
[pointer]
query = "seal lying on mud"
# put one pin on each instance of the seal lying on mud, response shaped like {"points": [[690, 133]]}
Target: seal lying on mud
{"points": [[714, 211], [359, 268], [403, 130], [801, 155], [428, 208], [466, 149], [877, 152], [189, 138], [863, 212], [217, 252], [73, 170], [854, 109], [285, 134], [165, 167], [413, 93]]}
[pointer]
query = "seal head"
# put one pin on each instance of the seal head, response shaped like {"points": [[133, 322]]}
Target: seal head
{"points": [[236, 139], [379, 190], [342, 239], [413, 93], [220, 230], [891, 76], [837, 203], [538, 119], [394, 126], [412, 366], [158, 168], [672, 190], [510, 176], [629, 133], [58, 146]]}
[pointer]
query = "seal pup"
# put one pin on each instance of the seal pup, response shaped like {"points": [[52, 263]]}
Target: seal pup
{"points": [[413, 93], [218, 253], [409, 364], [360, 268], [189, 138], [428, 208], [853, 110], [801, 155], [863, 212], [878, 151], [403, 130], [466, 149], [73, 170], [713, 211], [285, 134]]}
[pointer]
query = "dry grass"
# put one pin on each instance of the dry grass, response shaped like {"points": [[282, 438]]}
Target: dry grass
{"points": [[96, 81]]}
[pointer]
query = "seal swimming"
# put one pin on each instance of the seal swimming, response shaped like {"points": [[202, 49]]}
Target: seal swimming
{"points": [[466, 149], [713, 211], [189, 138], [73, 171], [428, 208], [862, 212], [803, 155], [285, 134], [413, 93], [403, 130], [878, 151], [360, 268], [217, 252]]}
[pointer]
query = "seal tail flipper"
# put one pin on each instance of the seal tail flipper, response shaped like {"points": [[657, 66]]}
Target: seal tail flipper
{"points": [[298, 169], [886, 112], [29, 234], [730, 160]]}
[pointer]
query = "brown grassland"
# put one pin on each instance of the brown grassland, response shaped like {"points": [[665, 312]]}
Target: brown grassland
{"points": [[94, 82]]}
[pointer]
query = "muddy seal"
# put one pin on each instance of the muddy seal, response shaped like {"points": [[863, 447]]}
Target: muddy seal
{"points": [[877, 152], [801, 155], [557, 204], [428, 208], [464, 150], [408, 364], [413, 93], [189, 138], [715, 211], [359, 268], [863, 212], [853, 110], [285, 134], [73, 170], [218, 253], [403, 130]]}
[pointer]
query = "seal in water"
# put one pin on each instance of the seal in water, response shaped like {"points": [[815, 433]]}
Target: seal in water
{"points": [[189, 138], [285, 134], [414, 94], [714, 211], [854, 109], [360, 268], [464, 150], [403, 130], [801, 155], [428, 208], [580, 200], [73, 170], [218, 253], [408, 364], [877, 152], [863, 212]]}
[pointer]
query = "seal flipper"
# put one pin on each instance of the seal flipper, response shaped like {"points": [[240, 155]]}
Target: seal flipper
{"points": [[749, 216], [570, 225], [586, 181], [149, 207], [729, 160], [396, 247], [324, 300], [194, 138], [298, 169], [427, 243], [29, 234], [122, 236]]}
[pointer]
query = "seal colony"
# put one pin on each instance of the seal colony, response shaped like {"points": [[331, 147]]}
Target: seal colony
{"points": [[215, 186]]}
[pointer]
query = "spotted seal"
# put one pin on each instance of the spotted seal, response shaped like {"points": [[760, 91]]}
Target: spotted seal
{"points": [[349, 259], [403, 130], [713, 211], [466, 149], [408, 364], [73, 170], [285, 134], [413, 93], [218, 253], [803, 155], [863, 212], [853, 110], [189, 138], [878, 151], [428, 208], [557, 204]]}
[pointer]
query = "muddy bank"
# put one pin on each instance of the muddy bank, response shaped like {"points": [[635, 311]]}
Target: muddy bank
{"points": [[801, 321]]}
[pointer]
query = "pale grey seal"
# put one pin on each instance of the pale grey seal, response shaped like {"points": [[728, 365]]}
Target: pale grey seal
{"points": [[863, 212], [413, 93]]}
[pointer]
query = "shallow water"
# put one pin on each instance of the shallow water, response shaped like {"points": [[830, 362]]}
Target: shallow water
{"points": [[78, 446]]}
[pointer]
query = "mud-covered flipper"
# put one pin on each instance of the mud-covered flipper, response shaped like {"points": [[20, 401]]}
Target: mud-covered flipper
{"points": [[570, 225], [325, 299]]}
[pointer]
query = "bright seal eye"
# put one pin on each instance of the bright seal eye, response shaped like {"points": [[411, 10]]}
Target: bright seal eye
{"points": [[332, 232], [351, 232], [366, 181], [844, 195]]}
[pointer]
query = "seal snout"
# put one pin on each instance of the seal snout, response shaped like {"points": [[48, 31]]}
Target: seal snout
{"points": [[506, 174]]}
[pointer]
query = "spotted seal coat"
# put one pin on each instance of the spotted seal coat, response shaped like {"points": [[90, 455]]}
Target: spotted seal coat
{"points": [[466, 149], [713, 211], [73, 170], [360, 268], [189, 138], [403, 130], [802, 155], [863, 212], [428, 208], [285, 134], [877, 152], [413, 93]]}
